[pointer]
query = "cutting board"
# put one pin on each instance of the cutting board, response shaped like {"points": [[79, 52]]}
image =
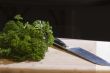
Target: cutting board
{"points": [[58, 61]]}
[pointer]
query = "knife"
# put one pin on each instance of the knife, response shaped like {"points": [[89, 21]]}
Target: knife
{"points": [[82, 53]]}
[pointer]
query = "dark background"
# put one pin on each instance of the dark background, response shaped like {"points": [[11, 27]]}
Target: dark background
{"points": [[78, 19]]}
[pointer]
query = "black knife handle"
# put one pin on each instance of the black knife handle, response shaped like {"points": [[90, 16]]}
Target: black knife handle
{"points": [[59, 42]]}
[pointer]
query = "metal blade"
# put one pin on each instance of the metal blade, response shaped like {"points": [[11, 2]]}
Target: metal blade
{"points": [[84, 54], [89, 56]]}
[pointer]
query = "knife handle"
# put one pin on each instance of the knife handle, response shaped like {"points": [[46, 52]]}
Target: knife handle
{"points": [[59, 43]]}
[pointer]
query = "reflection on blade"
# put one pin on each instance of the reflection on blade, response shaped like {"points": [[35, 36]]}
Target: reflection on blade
{"points": [[89, 56], [84, 54]]}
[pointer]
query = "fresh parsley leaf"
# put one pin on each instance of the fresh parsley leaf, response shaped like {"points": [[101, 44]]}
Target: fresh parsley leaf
{"points": [[25, 41]]}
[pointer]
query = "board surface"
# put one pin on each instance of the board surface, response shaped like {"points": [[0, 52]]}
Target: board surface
{"points": [[58, 61]]}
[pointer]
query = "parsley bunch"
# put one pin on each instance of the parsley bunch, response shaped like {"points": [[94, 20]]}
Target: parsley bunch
{"points": [[25, 41]]}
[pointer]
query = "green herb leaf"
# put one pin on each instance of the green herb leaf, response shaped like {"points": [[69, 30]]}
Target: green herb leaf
{"points": [[25, 41]]}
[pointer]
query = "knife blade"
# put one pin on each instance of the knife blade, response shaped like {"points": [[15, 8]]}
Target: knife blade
{"points": [[82, 53]]}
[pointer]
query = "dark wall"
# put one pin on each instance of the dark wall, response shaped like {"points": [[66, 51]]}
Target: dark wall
{"points": [[94, 22], [81, 19], [54, 2], [58, 16]]}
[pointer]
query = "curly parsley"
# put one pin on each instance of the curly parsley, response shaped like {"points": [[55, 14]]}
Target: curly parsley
{"points": [[25, 41]]}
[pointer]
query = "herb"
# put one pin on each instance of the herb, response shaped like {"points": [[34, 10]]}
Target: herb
{"points": [[25, 41]]}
